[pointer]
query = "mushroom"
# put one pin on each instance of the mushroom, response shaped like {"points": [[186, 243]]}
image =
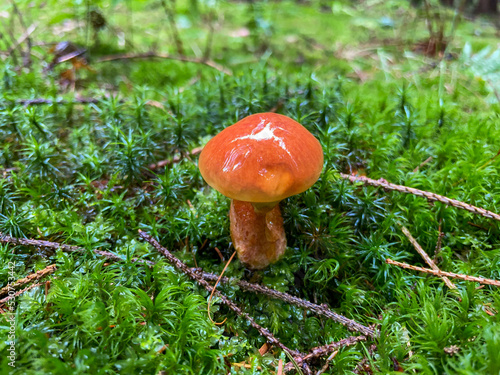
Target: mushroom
{"points": [[257, 162]]}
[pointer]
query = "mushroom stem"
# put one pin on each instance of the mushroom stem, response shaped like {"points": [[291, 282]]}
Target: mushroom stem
{"points": [[258, 234]]}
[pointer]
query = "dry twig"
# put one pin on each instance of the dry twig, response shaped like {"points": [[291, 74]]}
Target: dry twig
{"points": [[426, 257], [320, 351], [280, 367], [194, 276], [318, 309], [460, 276], [25, 280], [421, 193], [18, 293], [327, 363], [215, 288], [64, 247], [39, 101]]}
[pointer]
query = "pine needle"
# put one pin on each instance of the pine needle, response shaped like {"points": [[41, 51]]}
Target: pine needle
{"points": [[213, 291], [480, 280]]}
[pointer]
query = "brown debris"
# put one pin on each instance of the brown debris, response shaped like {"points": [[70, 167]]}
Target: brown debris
{"points": [[25, 280]]}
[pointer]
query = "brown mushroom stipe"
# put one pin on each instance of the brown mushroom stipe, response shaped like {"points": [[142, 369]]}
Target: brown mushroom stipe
{"points": [[259, 237], [257, 162]]}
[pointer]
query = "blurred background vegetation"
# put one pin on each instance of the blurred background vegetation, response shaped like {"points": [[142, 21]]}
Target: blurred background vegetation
{"points": [[360, 39]]}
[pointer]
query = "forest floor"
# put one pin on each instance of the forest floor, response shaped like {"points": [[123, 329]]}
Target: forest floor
{"points": [[104, 107]]}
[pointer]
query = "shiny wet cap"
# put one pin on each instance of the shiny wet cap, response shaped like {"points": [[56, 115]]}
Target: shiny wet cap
{"points": [[264, 157]]}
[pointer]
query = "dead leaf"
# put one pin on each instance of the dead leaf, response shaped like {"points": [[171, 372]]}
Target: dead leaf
{"points": [[264, 348]]}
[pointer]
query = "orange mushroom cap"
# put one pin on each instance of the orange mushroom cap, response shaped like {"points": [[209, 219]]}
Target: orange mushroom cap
{"points": [[262, 158]]}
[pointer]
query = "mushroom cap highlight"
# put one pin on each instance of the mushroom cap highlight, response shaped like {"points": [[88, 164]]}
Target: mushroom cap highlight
{"points": [[263, 158]]}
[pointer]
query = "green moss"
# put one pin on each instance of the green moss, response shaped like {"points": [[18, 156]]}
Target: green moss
{"points": [[79, 174]]}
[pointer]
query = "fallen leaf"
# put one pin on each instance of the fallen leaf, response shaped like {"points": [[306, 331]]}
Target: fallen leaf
{"points": [[264, 348]]}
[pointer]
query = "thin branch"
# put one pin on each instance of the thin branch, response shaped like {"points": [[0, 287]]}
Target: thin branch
{"points": [[53, 245], [18, 293], [320, 351], [327, 363], [318, 309], [40, 101], [390, 186], [480, 280], [149, 55], [215, 288], [25, 280], [421, 193], [426, 257], [64, 247], [280, 367], [326, 349], [194, 276], [69, 56]]}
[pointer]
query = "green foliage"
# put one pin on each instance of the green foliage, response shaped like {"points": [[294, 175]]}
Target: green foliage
{"points": [[78, 173], [485, 65]]}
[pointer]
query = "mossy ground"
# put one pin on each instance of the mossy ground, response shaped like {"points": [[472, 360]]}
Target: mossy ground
{"points": [[78, 174]]}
